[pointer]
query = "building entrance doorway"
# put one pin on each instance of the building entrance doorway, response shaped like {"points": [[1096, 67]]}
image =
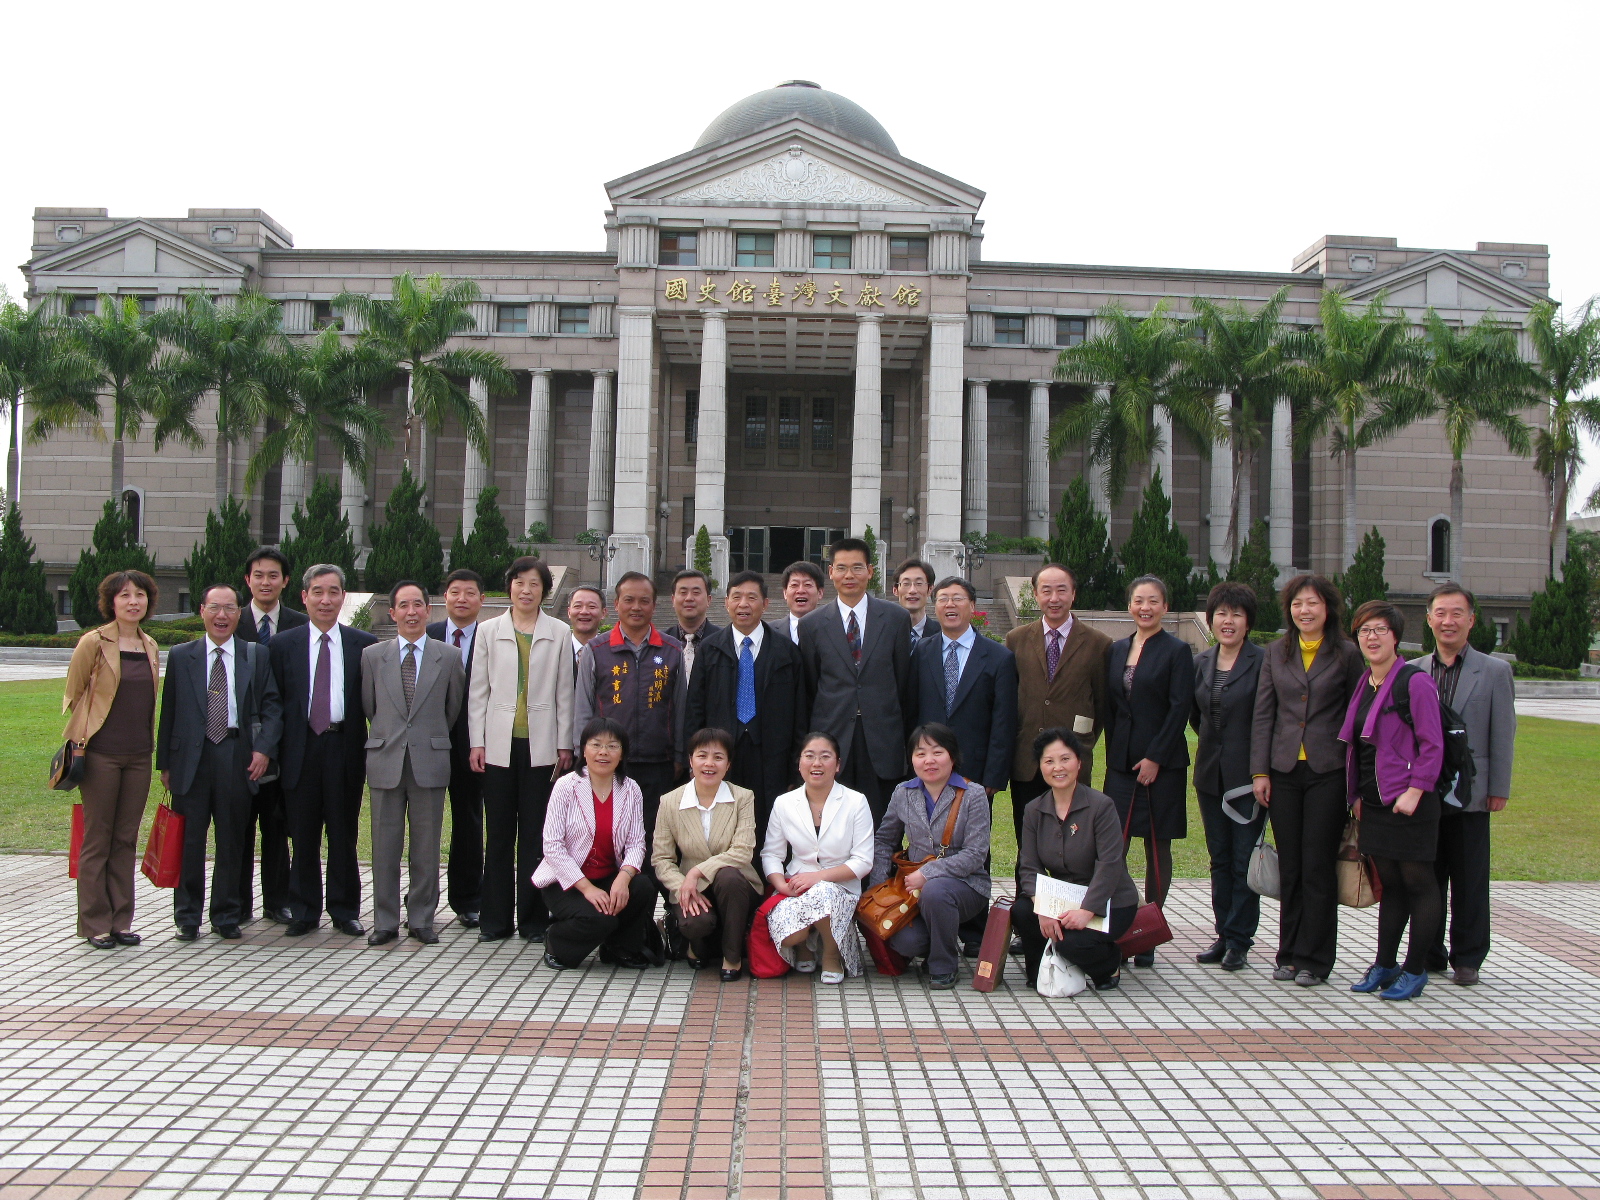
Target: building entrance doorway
{"points": [[768, 549]]}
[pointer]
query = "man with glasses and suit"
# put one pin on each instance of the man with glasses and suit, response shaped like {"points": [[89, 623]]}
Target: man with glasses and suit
{"points": [[463, 602]]}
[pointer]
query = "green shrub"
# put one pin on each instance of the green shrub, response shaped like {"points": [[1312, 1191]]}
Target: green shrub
{"points": [[321, 535], [406, 546], [1082, 544], [1558, 630], [219, 558], [1524, 670], [539, 533], [25, 603], [487, 549], [702, 556], [111, 548], [1156, 546], [1364, 580], [1254, 566]]}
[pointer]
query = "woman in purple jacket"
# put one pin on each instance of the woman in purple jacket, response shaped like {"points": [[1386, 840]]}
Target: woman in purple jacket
{"points": [[1392, 771]]}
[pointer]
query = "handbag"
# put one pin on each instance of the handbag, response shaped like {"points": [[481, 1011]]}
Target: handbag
{"points": [[66, 767], [1359, 885], [75, 847], [1149, 928], [1263, 873], [760, 953], [890, 906], [885, 957], [1058, 978], [163, 853]]}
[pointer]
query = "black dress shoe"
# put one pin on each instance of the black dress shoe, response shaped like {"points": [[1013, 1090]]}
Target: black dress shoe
{"points": [[298, 928], [426, 936], [533, 935], [350, 928], [485, 936], [1465, 976], [382, 937], [468, 920], [1235, 959], [102, 943], [1016, 947], [696, 964], [554, 963], [125, 938], [1212, 954], [280, 916], [187, 933], [971, 947], [1110, 983], [1144, 960], [729, 976], [231, 933], [635, 962]]}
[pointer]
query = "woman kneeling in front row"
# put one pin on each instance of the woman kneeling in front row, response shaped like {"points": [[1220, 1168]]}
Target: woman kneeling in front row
{"points": [[954, 887], [1072, 833], [593, 850]]}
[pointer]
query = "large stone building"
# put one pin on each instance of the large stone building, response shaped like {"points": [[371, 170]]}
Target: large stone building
{"points": [[792, 332]]}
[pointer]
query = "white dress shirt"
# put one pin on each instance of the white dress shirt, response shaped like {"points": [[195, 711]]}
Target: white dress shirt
{"points": [[335, 671], [794, 629], [860, 611], [755, 636], [226, 650], [400, 657], [1064, 630], [963, 645], [275, 616], [468, 632], [691, 799]]}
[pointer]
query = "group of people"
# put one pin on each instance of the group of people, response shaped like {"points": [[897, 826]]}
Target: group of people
{"points": [[589, 774]]}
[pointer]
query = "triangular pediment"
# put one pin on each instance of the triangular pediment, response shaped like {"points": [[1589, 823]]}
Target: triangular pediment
{"points": [[1445, 282], [137, 248]]}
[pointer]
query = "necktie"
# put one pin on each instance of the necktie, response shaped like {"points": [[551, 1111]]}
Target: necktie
{"points": [[408, 674], [952, 677], [458, 639], [1052, 651], [747, 684], [321, 689], [217, 701], [689, 640], [266, 630], [852, 634]]}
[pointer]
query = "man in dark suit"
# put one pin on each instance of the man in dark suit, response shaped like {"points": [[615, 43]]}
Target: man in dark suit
{"points": [[856, 651], [220, 724], [691, 604], [748, 680], [463, 601], [912, 585], [969, 683], [323, 760], [266, 574]]}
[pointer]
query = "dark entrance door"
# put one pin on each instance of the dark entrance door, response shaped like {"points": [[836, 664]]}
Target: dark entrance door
{"points": [[788, 544]]}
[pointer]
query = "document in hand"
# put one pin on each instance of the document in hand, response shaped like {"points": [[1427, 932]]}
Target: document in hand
{"points": [[1055, 897]]}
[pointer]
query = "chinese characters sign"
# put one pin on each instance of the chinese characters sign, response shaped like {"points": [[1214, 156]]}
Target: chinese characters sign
{"points": [[806, 292]]}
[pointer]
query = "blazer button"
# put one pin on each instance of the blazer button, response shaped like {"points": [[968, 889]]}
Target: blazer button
{"points": [[1302, 695], [1047, 704]]}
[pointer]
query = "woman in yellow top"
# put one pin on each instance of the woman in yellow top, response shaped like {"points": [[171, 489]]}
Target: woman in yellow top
{"points": [[111, 694], [1298, 762]]}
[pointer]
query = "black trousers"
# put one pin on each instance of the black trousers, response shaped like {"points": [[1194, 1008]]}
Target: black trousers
{"points": [[1308, 814], [747, 770], [324, 798], [577, 927], [726, 923], [1234, 906], [267, 811], [655, 779], [858, 774], [464, 875], [220, 796], [1462, 865], [515, 798], [1094, 950]]}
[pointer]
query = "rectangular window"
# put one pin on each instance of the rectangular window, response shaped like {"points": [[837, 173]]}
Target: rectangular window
{"points": [[691, 417], [908, 254], [63, 602], [688, 516], [513, 318], [788, 422], [1072, 331], [573, 318], [754, 249], [830, 252], [147, 305], [83, 306], [323, 316], [755, 422], [822, 424], [1010, 331], [886, 420], [679, 249]]}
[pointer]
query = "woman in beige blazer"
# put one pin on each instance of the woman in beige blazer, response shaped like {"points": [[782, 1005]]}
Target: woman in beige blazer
{"points": [[704, 855], [111, 692], [519, 727]]}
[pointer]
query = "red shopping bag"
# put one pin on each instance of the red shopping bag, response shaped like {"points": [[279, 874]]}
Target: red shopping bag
{"points": [[75, 847], [760, 955], [885, 957], [163, 853]]}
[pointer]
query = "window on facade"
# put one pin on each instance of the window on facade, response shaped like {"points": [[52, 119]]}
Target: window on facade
{"points": [[1439, 547], [63, 602], [886, 421], [822, 424], [147, 305], [133, 506], [908, 254], [1072, 331], [830, 252], [754, 249], [323, 316], [691, 417], [512, 318], [82, 306], [573, 318], [1010, 331], [679, 249], [755, 422], [788, 422]]}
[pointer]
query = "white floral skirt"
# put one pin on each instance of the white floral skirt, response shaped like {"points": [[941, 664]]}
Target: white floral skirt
{"points": [[832, 901]]}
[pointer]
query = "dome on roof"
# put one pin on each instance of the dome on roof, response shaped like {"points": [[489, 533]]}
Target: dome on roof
{"points": [[800, 98]]}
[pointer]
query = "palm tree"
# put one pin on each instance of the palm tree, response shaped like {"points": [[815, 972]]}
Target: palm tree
{"points": [[38, 363], [1568, 361], [1244, 355], [1132, 366], [227, 349], [412, 329], [1473, 378], [1358, 376]]}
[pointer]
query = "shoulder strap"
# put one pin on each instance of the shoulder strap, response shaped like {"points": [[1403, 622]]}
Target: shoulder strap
{"points": [[950, 824], [1400, 694]]}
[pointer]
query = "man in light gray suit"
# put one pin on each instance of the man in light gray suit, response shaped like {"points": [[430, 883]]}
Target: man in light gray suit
{"points": [[1479, 687], [412, 689]]}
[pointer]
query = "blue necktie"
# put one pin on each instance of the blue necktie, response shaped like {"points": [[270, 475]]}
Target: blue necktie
{"points": [[266, 630], [747, 684], [952, 677]]}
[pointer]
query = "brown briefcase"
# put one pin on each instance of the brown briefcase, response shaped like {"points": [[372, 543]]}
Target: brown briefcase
{"points": [[991, 966]]}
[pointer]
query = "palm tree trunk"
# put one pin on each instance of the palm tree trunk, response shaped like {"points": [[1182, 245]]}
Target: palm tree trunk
{"points": [[14, 454], [118, 474], [1349, 551], [223, 449], [1558, 520], [410, 379], [1458, 519], [1239, 502]]}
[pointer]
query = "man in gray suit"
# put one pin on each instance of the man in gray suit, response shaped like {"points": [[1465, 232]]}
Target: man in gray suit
{"points": [[856, 655], [411, 689], [220, 725], [1479, 687]]}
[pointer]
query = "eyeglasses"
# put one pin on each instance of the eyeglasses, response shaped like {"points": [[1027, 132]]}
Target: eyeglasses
{"points": [[1372, 631], [220, 610], [852, 568]]}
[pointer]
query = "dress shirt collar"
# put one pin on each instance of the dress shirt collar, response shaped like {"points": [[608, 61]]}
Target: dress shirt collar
{"points": [[273, 614], [1063, 629], [691, 798], [404, 642], [794, 628], [755, 636], [955, 781], [966, 641], [211, 652], [334, 642], [859, 608], [451, 628]]}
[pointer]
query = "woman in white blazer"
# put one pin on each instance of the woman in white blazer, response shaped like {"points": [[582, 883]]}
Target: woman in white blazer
{"points": [[519, 726], [819, 849]]}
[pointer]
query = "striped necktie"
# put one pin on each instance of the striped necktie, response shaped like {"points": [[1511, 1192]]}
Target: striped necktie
{"points": [[217, 701], [408, 673]]}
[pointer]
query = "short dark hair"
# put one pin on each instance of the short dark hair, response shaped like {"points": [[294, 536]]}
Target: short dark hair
{"points": [[744, 577], [939, 735], [911, 564], [1154, 581], [1382, 609], [691, 573], [817, 735], [266, 552], [1055, 566], [528, 562], [394, 591], [710, 736], [950, 581], [1234, 595], [117, 580], [1333, 628], [211, 587], [597, 726], [1453, 589], [1050, 737], [850, 545], [464, 575], [807, 568], [588, 587], [631, 577]]}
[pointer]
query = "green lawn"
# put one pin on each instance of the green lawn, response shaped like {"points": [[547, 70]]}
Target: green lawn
{"points": [[1550, 831]]}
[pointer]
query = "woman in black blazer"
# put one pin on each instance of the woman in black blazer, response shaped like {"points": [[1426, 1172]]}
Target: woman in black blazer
{"points": [[1223, 712], [1151, 687]]}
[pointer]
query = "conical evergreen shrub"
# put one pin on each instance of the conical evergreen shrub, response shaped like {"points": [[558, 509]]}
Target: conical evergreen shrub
{"points": [[25, 604], [1156, 546], [1255, 567], [112, 548], [1364, 580], [406, 545], [1558, 630], [487, 549], [1081, 543], [220, 557], [321, 535]]}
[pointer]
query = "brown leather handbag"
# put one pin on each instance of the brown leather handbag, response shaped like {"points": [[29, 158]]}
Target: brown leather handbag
{"points": [[891, 906]]}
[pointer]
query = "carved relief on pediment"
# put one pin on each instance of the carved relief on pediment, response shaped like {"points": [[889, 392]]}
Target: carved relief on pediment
{"points": [[793, 176]]}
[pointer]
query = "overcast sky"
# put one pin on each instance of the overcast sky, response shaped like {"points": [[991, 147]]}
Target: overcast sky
{"points": [[1224, 135]]}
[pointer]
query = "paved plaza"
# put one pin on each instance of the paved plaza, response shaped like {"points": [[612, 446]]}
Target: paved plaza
{"points": [[320, 1067]]}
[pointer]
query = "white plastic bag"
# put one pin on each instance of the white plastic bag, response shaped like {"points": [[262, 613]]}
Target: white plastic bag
{"points": [[1058, 978], [1263, 874]]}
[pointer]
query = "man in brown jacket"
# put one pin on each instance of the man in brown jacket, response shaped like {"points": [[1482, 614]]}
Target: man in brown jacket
{"points": [[1061, 681]]}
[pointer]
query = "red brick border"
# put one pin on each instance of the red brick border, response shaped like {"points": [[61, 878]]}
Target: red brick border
{"points": [[71, 1185]]}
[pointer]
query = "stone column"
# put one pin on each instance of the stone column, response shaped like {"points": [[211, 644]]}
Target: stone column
{"points": [[1221, 500], [353, 503], [1161, 457], [633, 518], [600, 453], [976, 509], [711, 444], [1281, 501], [1036, 496], [292, 491], [536, 474], [1094, 473], [475, 471], [866, 436], [942, 520]]}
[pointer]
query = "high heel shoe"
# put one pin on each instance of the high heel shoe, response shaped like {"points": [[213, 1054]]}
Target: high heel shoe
{"points": [[1376, 979], [1408, 987]]}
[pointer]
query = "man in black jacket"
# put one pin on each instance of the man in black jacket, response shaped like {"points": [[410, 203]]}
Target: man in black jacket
{"points": [[748, 681], [969, 683], [463, 601]]}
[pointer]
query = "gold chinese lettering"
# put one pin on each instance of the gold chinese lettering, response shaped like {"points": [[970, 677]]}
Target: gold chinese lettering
{"points": [[806, 292], [741, 291], [907, 297], [677, 289], [775, 293], [708, 292], [871, 295], [836, 294]]}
